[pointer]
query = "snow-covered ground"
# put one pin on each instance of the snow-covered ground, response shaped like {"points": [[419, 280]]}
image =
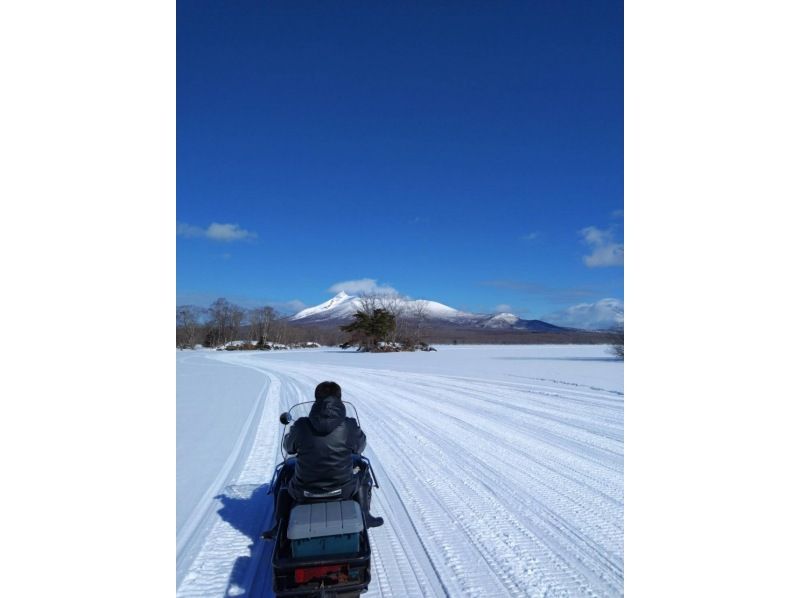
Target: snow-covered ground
{"points": [[501, 467]]}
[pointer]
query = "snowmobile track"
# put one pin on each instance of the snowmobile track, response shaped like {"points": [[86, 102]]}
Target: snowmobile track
{"points": [[488, 487]]}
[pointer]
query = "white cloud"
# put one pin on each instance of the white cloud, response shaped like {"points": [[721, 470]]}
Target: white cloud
{"points": [[503, 308], [601, 315], [215, 232], [605, 251], [227, 232], [189, 231], [362, 285], [532, 236]]}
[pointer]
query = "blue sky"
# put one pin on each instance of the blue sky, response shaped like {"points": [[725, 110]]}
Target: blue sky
{"points": [[467, 152]]}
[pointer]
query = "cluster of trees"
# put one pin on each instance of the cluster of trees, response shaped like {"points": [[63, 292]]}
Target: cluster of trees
{"points": [[371, 331], [223, 322], [618, 343], [387, 323]]}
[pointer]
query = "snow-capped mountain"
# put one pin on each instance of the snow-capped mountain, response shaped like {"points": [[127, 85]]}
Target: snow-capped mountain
{"points": [[342, 307], [504, 320], [507, 321]]}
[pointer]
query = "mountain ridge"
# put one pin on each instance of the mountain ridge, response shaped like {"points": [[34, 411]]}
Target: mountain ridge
{"points": [[341, 308]]}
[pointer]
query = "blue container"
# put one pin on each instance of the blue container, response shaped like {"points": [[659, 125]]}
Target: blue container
{"points": [[323, 529], [325, 546]]}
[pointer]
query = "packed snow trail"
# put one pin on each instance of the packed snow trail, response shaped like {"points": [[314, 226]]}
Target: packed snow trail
{"points": [[504, 485]]}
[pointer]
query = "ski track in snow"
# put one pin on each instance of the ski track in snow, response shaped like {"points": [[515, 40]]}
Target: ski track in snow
{"points": [[509, 487]]}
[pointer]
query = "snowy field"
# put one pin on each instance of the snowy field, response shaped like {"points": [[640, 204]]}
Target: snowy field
{"points": [[500, 468]]}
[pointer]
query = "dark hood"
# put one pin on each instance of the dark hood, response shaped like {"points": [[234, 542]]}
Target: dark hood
{"points": [[326, 415]]}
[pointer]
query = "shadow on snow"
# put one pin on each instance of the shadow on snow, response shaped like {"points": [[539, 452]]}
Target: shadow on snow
{"points": [[248, 509]]}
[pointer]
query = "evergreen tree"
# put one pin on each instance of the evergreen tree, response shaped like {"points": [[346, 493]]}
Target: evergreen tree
{"points": [[368, 329]]}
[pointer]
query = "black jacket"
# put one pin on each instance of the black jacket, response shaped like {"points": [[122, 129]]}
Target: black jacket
{"points": [[324, 443]]}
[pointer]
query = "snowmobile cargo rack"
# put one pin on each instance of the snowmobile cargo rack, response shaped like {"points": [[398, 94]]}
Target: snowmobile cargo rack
{"points": [[326, 528], [313, 575]]}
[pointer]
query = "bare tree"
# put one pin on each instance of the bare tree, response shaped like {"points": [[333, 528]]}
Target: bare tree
{"points": [[279, 331], [369, 303], [237, 317], [187, 325], [261, 323], [391, 302], [618, 343], [219, 317], [225, 320], [330, 337], [396, 306], [419, 316]]}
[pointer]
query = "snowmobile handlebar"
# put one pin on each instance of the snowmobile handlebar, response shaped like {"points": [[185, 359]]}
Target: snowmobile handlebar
{"points": [[371, 470]]}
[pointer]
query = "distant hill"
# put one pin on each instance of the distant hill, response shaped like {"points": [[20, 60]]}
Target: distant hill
{"points": [[340, 309], [507, 321]]}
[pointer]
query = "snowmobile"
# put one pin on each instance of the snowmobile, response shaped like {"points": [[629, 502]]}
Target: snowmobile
{"points": [[322, 550]]}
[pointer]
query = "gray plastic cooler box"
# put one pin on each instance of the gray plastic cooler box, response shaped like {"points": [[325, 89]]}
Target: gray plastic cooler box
{"points": [[325, 528]]}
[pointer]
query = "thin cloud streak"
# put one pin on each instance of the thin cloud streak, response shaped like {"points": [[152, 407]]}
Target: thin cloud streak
{"points": [[215, 232], [362, 285], [560, 295]]}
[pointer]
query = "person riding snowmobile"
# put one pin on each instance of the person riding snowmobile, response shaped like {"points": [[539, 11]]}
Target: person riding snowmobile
{"points": [[324, 443]]}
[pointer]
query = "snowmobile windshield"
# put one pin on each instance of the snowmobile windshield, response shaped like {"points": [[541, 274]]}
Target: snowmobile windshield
{"points": [[304, 410]]}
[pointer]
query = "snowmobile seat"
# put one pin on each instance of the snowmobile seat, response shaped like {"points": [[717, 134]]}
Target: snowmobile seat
{"points": [[325, 528]]}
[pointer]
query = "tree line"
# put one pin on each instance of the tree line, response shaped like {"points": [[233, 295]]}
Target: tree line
{"points": [[384, 323], [223, 322]]}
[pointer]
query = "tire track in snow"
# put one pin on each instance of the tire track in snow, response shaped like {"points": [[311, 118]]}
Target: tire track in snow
{"points": [[401, 566], [567, 549], [406, 543], [413, 425], [548, 524], [471, 587], [463, 501], [531, 439], [259, 579]]}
